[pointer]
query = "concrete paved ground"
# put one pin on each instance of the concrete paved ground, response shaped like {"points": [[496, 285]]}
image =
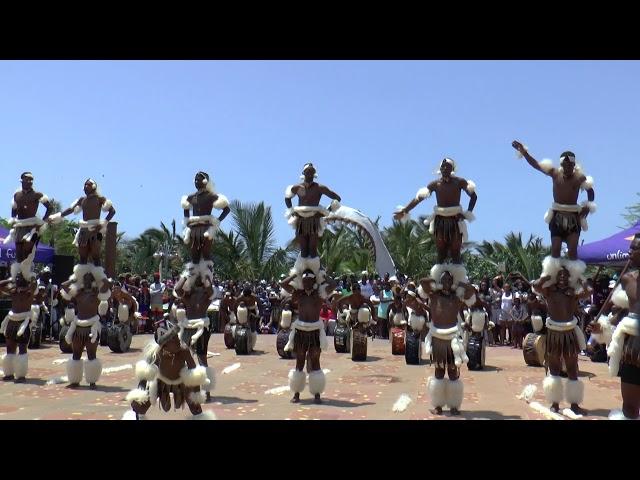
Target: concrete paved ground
{"points": [[355, 390]]}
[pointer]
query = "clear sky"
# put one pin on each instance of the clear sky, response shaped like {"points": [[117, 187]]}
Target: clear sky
{"points": [[375, 130]]}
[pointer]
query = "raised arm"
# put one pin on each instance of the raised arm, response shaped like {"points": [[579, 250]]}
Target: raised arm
{"points": [[530, 160], [537, 286], [427, 285], [286, 283]]}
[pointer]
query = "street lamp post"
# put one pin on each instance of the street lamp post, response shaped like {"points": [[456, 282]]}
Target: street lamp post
{"points": [[164, 255]]}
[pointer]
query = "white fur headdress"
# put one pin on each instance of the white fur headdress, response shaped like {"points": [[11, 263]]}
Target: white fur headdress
{"points": [[307, 165]]}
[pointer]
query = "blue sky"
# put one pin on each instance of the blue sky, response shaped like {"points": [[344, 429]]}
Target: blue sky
{"points": [[376, 130]]}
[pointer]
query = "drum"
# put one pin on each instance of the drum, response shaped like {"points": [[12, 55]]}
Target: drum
{"points": [[412, 349], [242, 340], [213, 313], [64, 346], [599, 354], [359, 344], [476, 352], [331, 327], [342, 339], [397, 341], [104, 335], [229, 331], [119, 337], [36, 335], [281, 341], [533, 349]]}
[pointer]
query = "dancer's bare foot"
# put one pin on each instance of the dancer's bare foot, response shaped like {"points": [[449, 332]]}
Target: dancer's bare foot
{"points": [[436, 411], [575, 408], [92, 386], [317, 399], [455, 411], [21, 380], [7, 378], [296, 398], [73, 385], [555, 407]]}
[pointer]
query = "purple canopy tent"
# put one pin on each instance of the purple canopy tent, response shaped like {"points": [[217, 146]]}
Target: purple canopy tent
{"points": [[612, 251], [44, 253]]}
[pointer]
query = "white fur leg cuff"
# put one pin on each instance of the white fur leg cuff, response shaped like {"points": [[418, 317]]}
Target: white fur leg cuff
{"points": [[574, 391], [92, 370], [455, 393], [297, 380], [74, 371], [437, 391], [553, 391], [21, 365], [317, 382]]}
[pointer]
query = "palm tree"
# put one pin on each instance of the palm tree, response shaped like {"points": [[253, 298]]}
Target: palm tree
{"points": [[411, 246], [253, 248], [516, 256]]}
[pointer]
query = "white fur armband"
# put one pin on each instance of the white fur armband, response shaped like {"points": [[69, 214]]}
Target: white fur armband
{"points": [[546, 165], [590, 205], [106, 206], [181, 315], [288, 193], [620, 298], [587, 184], [471, 186], [12, 220], [469, 216], [335, 205], [55, 218], [146, 371], [288, 212], [194, 377], [184, 202], [221, 202], [44, 199], [423, 193], [103, 307]]}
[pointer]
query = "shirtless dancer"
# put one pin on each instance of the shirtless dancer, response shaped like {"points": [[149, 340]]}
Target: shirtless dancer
{"points": [[307, 333], [566, 218], [565, 339], [15, 326], [26, 226], [624, 349], [195, 328], [444, 340]]}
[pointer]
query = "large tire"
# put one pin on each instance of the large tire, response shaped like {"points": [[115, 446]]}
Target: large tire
{"points": [[242, 341], [64, 346], [35, 340], [412, 350], [119, 338]]}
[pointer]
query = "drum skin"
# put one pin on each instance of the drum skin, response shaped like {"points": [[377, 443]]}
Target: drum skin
{"points": [[281, 341]]}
